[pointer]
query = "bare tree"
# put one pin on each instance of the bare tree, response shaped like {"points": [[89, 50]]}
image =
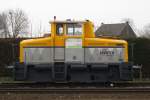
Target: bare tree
{"points": [[146, 31], [140, 32], [3, 24], [17, 22]]}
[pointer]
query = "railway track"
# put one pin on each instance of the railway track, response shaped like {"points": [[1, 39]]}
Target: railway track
{"points": [[72, 85], [74, 90], [74, 93], [64, 87], [63, 91]]}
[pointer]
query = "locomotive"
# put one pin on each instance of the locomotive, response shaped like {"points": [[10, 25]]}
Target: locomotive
{"points": [[72, 53]]}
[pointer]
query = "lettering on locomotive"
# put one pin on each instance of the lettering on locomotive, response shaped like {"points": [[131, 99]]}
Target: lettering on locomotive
{"points": [[107, 52]]}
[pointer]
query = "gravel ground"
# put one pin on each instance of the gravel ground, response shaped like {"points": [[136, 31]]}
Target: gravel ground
{"points": [[76, 96]]}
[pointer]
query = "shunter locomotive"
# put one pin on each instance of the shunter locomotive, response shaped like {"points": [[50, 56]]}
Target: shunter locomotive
{"points": [[72, 53]]}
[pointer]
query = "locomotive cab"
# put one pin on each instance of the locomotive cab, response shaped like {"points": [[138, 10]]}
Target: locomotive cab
{"points": [[72, 53], [64, 34]]}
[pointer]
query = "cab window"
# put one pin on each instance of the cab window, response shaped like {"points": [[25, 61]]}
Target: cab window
{"points": [[70, 30], [74, 29], [59, 29]]}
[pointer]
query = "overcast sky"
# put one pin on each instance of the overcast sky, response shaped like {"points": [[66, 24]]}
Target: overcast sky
{"points": [[107, 11]]}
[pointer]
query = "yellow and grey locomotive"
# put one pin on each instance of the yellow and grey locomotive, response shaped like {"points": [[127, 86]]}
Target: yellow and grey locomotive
{"points": [[72, 53]]}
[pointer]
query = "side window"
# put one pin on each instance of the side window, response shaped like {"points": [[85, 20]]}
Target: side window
{"points": [[59, 29], [78, 29], [74, 29], [70, 29]]}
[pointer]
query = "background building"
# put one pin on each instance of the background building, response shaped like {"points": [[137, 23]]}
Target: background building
{"points": [[121, 30]]}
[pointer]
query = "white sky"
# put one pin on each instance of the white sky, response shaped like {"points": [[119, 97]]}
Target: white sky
{"points": [[107, 11]]}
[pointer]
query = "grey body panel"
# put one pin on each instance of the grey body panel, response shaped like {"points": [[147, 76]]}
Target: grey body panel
{"points": [[74, 55], [38, 55], [59, 54], [104, 55]]}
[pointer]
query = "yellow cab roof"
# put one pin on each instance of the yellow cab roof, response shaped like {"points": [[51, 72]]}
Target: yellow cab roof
{"points": [[70, 21]]}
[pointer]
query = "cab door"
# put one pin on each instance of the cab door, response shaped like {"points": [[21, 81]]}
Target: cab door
{"points": [[74, 52], [59, 51]]}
